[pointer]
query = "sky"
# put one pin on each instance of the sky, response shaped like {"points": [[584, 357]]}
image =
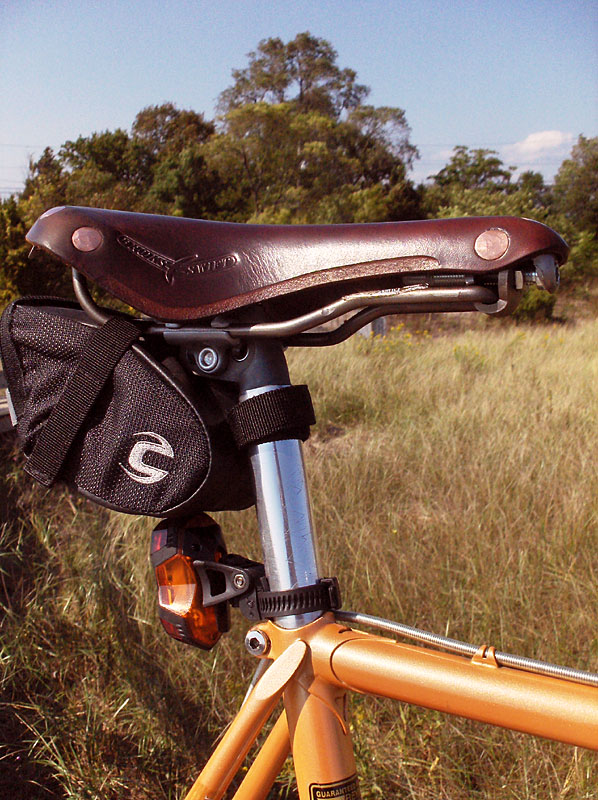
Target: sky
{"points": [[517, 77]]}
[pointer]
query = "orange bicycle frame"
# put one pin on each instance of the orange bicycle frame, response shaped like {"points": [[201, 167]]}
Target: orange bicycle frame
{"points": [[316, 660], [313, 669]]}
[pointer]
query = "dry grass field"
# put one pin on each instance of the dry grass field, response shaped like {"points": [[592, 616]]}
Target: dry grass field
{"points": [[455, 487]]}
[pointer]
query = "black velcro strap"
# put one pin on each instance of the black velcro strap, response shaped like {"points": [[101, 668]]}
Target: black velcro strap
{"points": [[284, 413], [103, 351]]}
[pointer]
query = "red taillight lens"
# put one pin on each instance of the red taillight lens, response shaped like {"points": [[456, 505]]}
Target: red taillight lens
{"points": [[159, 537]]}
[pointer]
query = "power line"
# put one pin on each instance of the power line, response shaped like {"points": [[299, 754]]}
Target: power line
{"points": [[420, 144], [24, 146]]}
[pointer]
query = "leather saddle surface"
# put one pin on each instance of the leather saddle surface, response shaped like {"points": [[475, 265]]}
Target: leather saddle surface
{"points": [[176, 269]]}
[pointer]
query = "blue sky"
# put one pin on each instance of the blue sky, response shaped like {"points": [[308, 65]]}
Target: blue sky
{"points": [[518, 77]]}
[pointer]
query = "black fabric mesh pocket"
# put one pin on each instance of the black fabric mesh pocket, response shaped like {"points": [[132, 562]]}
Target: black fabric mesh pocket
{"points": [[148, 445]]}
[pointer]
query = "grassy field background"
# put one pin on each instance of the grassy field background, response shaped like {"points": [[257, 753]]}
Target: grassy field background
{"points": [[455, 488]]}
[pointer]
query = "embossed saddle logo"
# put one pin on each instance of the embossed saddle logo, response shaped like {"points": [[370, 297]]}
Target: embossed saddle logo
{"points": [[188, 265]]}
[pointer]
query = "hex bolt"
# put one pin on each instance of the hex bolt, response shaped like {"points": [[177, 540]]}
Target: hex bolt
{"points": [[257, 643], [239, 580], [208, 359]]}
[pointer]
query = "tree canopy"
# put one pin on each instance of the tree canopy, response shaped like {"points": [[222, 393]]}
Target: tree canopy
{"points": [[576, 185], [303, 72], [295, 142], [474, 169], [477, 183]]}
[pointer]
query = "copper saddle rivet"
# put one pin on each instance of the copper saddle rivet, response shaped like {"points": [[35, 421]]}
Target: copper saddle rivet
{"points": [[86, 239]]}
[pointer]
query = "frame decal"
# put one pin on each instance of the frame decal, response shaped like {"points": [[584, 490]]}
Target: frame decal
{"points": [[339, 790]]}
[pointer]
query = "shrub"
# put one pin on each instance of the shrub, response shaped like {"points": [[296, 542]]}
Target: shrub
{"points": [[536, 304]]}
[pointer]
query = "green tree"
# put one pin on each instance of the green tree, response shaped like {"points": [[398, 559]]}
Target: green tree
{"points": [[279, 164], [533, 184], [21, 273], [474, 169], [477, 183], [158, 166], [296, 143], [575, 209], [45, 186], [13, 248], [303, 71], [180, 183], [260, 154], [576, 186], [106, 169], [379, 139], [168, 129], [183, 185], [108, 152]]}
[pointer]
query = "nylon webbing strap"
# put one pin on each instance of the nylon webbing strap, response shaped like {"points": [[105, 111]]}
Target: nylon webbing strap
{"points": [[284, 413], [103, 351]]}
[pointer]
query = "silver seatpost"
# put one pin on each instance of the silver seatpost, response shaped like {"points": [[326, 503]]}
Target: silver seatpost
{"points": [[284, 516]]}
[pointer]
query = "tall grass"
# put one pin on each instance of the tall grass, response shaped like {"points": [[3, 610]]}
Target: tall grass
{"points": [[455, 487]]}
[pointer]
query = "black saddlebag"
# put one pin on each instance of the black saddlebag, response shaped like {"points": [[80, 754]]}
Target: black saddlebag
{"points": [[129, 429]]}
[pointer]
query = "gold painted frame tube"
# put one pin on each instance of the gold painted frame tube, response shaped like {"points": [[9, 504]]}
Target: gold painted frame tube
{"points": [[267, 764], [509, 698], [316, 665]]}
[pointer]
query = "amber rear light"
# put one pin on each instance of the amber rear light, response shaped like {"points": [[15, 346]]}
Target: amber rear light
{"points": [[174, 547], [177, 584], [180, 593]]}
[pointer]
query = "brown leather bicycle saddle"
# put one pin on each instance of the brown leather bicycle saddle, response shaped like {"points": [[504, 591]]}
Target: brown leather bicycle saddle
{"points": [[177, 269]]}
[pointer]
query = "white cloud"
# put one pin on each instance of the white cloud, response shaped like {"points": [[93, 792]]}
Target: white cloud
{"points": [[540, 146], [541, 151]]}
